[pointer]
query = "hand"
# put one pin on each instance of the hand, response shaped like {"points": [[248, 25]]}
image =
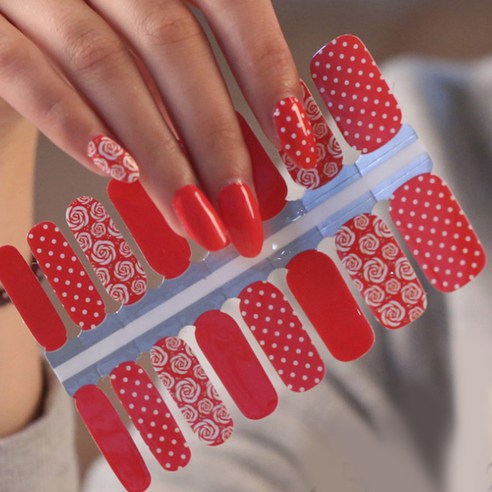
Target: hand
{"points": [[142, 73]]}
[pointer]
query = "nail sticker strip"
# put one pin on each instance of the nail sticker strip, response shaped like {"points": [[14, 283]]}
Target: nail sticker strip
{"points": [[329, 153], [437, 232], [150, 415], [184, 378], [109, 254], [356, 94], [31, 300], [382, 273], [270, 187], [166, 252], [112, 438], [66, 275], [282, 337], [319, 288], [234, 361]]}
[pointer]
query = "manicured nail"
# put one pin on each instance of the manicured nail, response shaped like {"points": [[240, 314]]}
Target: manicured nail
{"points": [[200, 220], [112, 159], [437, 231], [188, 384], [329, 154], [282, 337], [295, 132], [356, 94], [381, 271], [241, 215]]}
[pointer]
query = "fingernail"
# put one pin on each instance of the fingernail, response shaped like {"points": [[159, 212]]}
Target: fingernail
{"points": [[241, 215], [356, 94], [382, 273], [295, 132], [329, 157], [112, 159], [437, 231], [200, 220]]}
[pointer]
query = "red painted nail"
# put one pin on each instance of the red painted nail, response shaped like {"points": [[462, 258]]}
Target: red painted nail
{"points": [[322, 293], [381, 271], [234, 361], [166, 252], [295, 132], [437, 232], [150, 415], [241, 215], [66, 275], [200, 220], [270, 186], [329, 154], [31, 300], [113, 159], [282, 337], [112, 438], [184, 378], [109, 254], [356, 94]]}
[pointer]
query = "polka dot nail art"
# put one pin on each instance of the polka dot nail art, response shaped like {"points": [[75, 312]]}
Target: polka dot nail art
{"points": [[356, 94], [295, 132], [437, 232]]}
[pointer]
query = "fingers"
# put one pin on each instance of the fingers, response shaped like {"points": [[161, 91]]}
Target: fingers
{"points": [[251, 38]]}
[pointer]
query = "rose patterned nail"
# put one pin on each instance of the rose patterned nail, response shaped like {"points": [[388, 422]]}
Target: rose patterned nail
{"points": [[112, 159], [381, 271], [295, 132], [110, 255], [356, 94], [329, 154], [437, 231]]}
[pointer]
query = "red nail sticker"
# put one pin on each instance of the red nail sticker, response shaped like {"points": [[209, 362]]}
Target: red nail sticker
{"points": [[295, 132], [270, 187], [112, 438], [437, 232], [112, 159], [109, 254], [234, 361], [329, 152], [322, 293], [184, 378], [281, 335], [31, 300], [166, 252], [66, 275], [356, 94], [150, 415], [380, 270]]}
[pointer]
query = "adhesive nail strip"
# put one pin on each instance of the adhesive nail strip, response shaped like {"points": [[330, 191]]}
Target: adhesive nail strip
{"points": [[31, 300], [330, 157], [109, 254], [112, 438], [382, 273], [356, 94], [319, 288], [437, 232], [166, 252], [150, 415], [281, 335], [184, 378], [270, 187], [66, 275], [234, 361]]}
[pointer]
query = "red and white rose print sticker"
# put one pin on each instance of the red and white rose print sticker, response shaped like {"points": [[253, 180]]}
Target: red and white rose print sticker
{"points": [[109, 254], [356, 94], [380, 270], [184, 378]]}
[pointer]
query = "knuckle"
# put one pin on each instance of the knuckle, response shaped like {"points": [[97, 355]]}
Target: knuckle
{"points": [[222, 138], [272, 58], [13, 56]]}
